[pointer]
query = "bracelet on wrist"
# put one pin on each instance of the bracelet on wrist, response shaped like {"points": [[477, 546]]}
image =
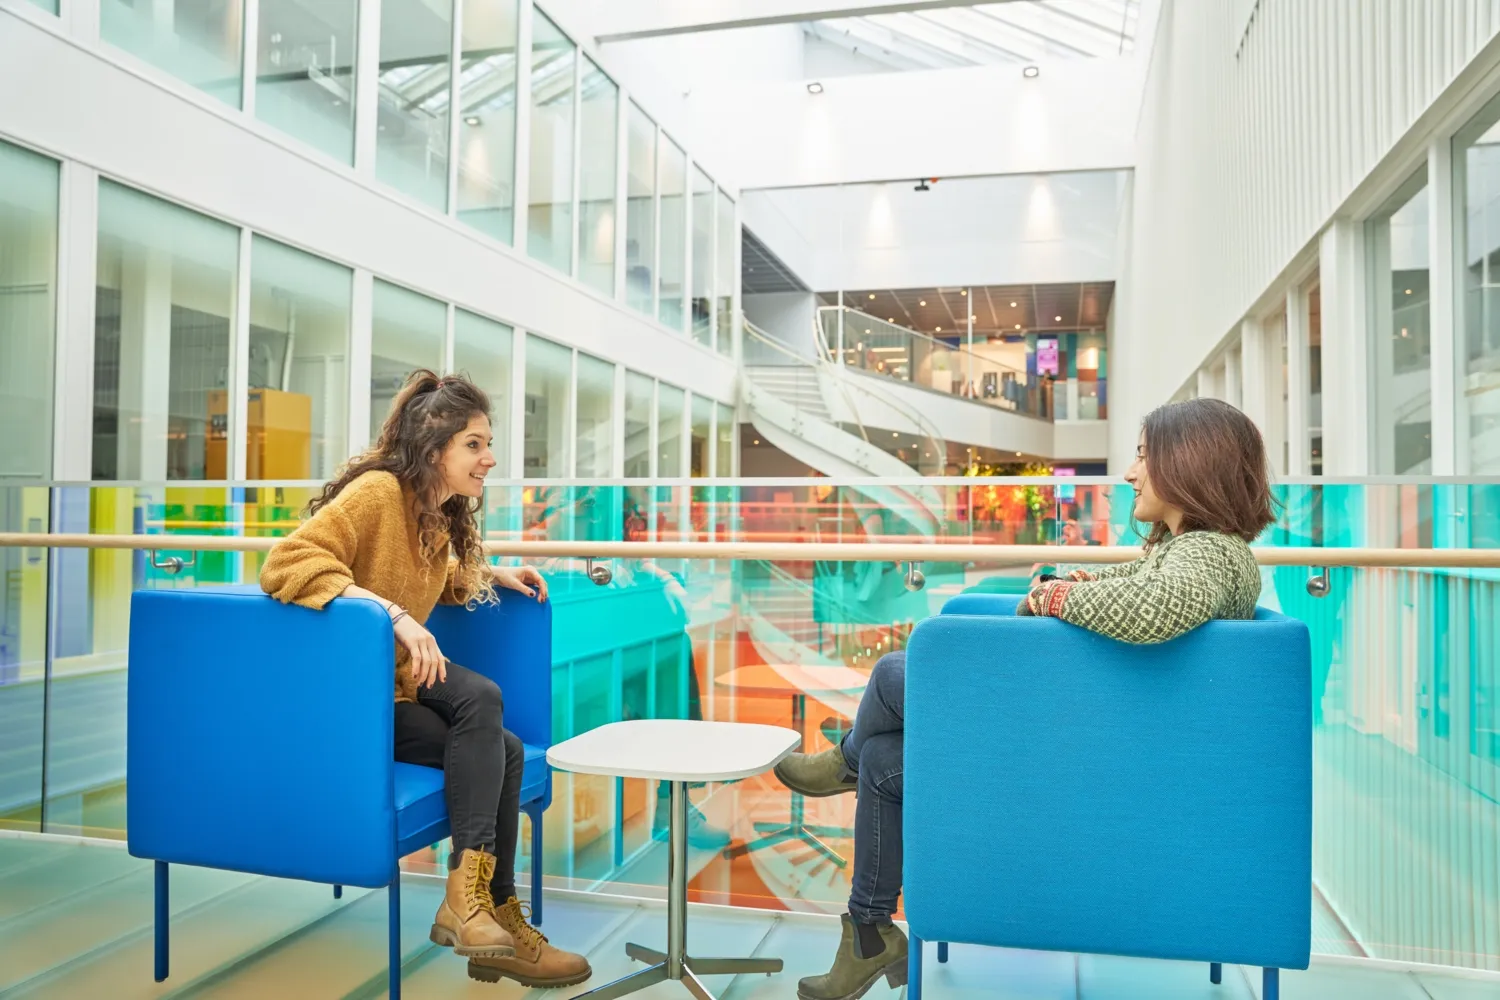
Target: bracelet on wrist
{"points": [[396, 619]]}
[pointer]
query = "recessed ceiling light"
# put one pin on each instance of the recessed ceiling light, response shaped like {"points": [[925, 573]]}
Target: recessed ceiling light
{"points": [[814, 88], [1408, 291], [1057, 319], [964, 292], [939, 329], [474, 120], [1031, 72], [872, 295], [922, 303], [1012, 305], [1018, 326]]}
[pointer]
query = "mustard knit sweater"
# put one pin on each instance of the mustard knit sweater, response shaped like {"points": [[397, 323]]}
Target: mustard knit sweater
{"points": [[367, 536]]}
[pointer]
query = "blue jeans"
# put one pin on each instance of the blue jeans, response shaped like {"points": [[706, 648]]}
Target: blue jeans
{"points": [[873, 752]]}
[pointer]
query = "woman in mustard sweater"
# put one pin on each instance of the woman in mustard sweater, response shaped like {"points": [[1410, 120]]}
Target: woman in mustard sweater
{"points": [[398, 526]]}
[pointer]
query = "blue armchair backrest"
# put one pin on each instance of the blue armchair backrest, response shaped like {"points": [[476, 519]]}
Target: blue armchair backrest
{"points": [[509, 642], [259, 735], [1064, 791]]}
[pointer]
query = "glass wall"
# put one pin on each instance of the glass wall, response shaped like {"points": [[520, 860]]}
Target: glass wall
{"points": [[640, 393], [703, 257], [640, 212], [595, 421], [197, 41], [597, 171], [728, 236], [407, 331], [724, 430], [672, 268], [299, 344], [304, 79], [483, 350], [702, 430], [1476, 192], [487, 127], [28, 309], [549, 218], [1401, 352], [411, 144], [50, 6], [670, 404], [549, 392], [164, 307]]}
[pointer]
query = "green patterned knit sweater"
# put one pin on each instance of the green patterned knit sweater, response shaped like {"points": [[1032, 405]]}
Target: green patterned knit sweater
{"points": [[1175, 587]]}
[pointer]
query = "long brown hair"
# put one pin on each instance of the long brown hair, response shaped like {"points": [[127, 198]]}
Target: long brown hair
{"points": [[424, 417], [1207, 458]]}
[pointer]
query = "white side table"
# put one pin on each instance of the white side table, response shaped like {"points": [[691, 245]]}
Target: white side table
{"points": [[677, 751]]}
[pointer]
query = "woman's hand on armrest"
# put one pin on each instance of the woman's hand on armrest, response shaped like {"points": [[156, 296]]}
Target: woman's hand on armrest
{"points": [[427, 663]]}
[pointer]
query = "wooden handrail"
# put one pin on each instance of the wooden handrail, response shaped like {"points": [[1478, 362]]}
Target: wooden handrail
{"points": [[996, 555]]}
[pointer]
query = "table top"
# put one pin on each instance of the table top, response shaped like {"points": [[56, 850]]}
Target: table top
{"points": [[794, 678], [676, 750]]}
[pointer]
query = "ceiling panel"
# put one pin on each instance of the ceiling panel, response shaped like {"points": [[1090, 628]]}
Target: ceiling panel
{"points": [[999, 310]]}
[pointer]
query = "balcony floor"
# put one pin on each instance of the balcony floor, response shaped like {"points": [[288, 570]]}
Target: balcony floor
{"points": [[75, 922]]}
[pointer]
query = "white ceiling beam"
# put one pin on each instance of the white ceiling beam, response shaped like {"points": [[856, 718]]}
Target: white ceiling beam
{"points": [[613, 21]]}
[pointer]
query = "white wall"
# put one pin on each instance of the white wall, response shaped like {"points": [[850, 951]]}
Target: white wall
{"points": [[787, 316], [1077, 115], [1045, 229], [1247, 153]]}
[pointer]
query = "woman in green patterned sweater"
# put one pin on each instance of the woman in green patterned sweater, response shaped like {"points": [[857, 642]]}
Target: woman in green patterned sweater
{"points": [[1202, 483]]}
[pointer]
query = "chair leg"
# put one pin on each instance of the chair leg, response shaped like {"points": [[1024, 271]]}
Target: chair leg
{"points": [[943, 952], [1270, 984], [535, 812], [393, 897], [1215, 973], [163, 921], [914, 969], [338, 892]]}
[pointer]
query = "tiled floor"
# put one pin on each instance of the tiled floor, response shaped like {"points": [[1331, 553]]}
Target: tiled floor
{"points": [[75, 922]]}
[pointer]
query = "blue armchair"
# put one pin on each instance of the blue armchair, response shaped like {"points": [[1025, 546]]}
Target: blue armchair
{"points": [[261, 737], [1150, 801]]}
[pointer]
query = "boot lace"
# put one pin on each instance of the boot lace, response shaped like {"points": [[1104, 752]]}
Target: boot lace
{"points": [[517, 919], [479, 868]]}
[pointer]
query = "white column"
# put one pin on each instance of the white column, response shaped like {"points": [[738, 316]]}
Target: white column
{"points": [[77, 260], [1345, 351], [617, 422], [250, 53], [575, 215], [517, 403], [82, 19], [361, 335], [367, 88], [455, 105], [448, 322], [145, 365], [1206, 383], [1234, 388], [1255, 398], [1450, 424], [1298, 458], [622, 188], [569, 419], [522, 196], [236, 444]]}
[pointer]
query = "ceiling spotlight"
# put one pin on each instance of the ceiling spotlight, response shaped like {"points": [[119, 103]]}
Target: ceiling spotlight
{"points": [[473, 120], [1408, 291], [872, 295], [1018, 326], [1057, 319], [922, 185], [939, 329], [1031, 72], [1012, 305], [922, 303], [964, 292], [815, 87]]}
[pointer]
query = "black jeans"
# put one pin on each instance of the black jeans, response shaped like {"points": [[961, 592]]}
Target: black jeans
{"points": [[874, 751], [455, 725]]}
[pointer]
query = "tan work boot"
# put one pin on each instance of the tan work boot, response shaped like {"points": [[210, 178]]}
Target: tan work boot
{"points": [[536, 963], [465, 920]]}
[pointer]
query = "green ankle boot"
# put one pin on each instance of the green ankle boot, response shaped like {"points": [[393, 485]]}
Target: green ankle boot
{"points": [[817, 775], [853, 975]]}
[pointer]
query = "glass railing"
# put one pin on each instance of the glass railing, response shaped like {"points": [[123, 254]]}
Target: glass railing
{"points": [[1405, 668], [879, 347]]}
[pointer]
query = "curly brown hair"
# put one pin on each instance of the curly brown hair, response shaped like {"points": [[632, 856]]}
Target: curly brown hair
{"points": [[425, 415], [1208, 459]]}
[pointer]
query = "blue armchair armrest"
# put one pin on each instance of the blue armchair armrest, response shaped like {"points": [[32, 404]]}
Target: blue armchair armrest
{"points": [[260, 735], [1067, 792], [983, 604]]}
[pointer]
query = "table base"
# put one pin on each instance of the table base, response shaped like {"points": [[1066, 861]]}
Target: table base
{"points": [[674, 963]]}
